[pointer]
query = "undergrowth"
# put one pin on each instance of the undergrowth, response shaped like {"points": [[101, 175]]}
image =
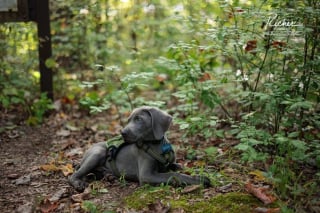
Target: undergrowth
{"points": [[227, 71]]}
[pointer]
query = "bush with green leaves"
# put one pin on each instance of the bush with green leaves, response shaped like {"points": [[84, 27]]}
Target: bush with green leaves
{"points": [[242, 69], [119, 90], [258, 64]]}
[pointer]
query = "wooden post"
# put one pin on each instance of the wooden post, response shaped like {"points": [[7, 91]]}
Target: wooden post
{"points": [[44, 46]]}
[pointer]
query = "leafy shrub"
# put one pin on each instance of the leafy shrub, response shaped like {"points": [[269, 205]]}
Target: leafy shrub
{"points": [[244, 60], [120, 90]]}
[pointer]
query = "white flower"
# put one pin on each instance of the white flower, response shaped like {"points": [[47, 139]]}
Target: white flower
{"points": [[301, 85], [178, 8], [245, 77], [84, 11], [270, 76], [149, 8], [238, 73]]}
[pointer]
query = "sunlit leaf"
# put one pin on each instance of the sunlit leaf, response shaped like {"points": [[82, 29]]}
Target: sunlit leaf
{"points": [[50, 167]]}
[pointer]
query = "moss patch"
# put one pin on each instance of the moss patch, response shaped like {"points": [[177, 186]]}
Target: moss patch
{"points": [[194, 202]]}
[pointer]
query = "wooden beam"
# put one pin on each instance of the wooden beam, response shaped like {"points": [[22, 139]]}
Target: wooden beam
{"points": [[44, 46]]}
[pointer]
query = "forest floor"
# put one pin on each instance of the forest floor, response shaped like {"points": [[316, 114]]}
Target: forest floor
{"points": [[36, 160]]}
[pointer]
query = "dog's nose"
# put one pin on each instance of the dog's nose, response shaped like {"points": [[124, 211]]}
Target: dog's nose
{"points": [[123, 133]]}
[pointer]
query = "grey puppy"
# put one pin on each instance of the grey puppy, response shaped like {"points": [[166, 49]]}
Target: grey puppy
{"points": [[143, 156]]}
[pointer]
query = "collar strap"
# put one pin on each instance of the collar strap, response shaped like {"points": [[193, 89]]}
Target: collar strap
{"points": [[162, 140], [167, 155], [165, 158]]}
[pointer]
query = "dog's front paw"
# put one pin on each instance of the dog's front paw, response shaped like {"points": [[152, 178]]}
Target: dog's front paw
{"points": [[77, 183], [175, 167]]}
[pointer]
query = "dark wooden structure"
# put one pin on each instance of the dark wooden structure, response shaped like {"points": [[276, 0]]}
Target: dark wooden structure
{"points": [[37, 11]]}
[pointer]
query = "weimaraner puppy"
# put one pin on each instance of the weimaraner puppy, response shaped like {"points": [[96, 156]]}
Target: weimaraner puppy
{"points": [[145, 155]]}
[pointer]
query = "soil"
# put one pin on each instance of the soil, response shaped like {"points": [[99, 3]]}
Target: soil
{"points": [[32, 160]]}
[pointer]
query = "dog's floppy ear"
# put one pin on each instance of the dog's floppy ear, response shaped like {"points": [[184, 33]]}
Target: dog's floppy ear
{"points": [[160, 122]]}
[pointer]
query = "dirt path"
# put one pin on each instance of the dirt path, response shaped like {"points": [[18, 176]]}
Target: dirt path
{"points": [[31, 174]]}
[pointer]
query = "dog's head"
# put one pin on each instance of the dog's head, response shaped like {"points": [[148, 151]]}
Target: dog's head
{"points": [[146, 124]]}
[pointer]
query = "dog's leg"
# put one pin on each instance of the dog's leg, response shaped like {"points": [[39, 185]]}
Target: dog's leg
{"points": [[174, 178], [150, 176], [93, 158]]}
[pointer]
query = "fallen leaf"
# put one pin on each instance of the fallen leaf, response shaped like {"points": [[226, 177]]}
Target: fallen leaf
{"points": [[260, 193], [57, 105], [250, 46], [94, 127], [25, 208], [67, 143], [13, 134], [103, 190], [225, 188], [190, 188], [258, 175], [162, 77], [71, 127], [159, 207], [78, 198], [63, 133], [46, 206], [200, 163], [24, 180], [13, 176], [73, 152], [67, 100], [205, 77], [66, 169], [58, 195], [279, 45], [49, 167]]}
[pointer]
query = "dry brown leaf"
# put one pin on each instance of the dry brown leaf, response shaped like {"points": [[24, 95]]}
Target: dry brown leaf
{"points": [[78, 198], [58, 195], [63, 133], [74, 152], [66, 169], [162, 77], [46, 206], [159, 207], [50, 167], [205, 77], [260, 193], [225, 188], [251, 46], [190, 188]]}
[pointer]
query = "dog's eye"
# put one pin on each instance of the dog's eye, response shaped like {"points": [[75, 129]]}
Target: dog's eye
{"points": [[137, 118]]}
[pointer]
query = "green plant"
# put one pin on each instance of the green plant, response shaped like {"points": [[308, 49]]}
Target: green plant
{"points": [[38, 109], [122, 180], [121, 88], [89, 206], [257, 65]]}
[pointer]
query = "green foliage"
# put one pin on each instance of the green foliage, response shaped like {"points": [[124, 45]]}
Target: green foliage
{"points": [[206, 125], [220, 66], [120, 89], [38, 109], [89, 206]]}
